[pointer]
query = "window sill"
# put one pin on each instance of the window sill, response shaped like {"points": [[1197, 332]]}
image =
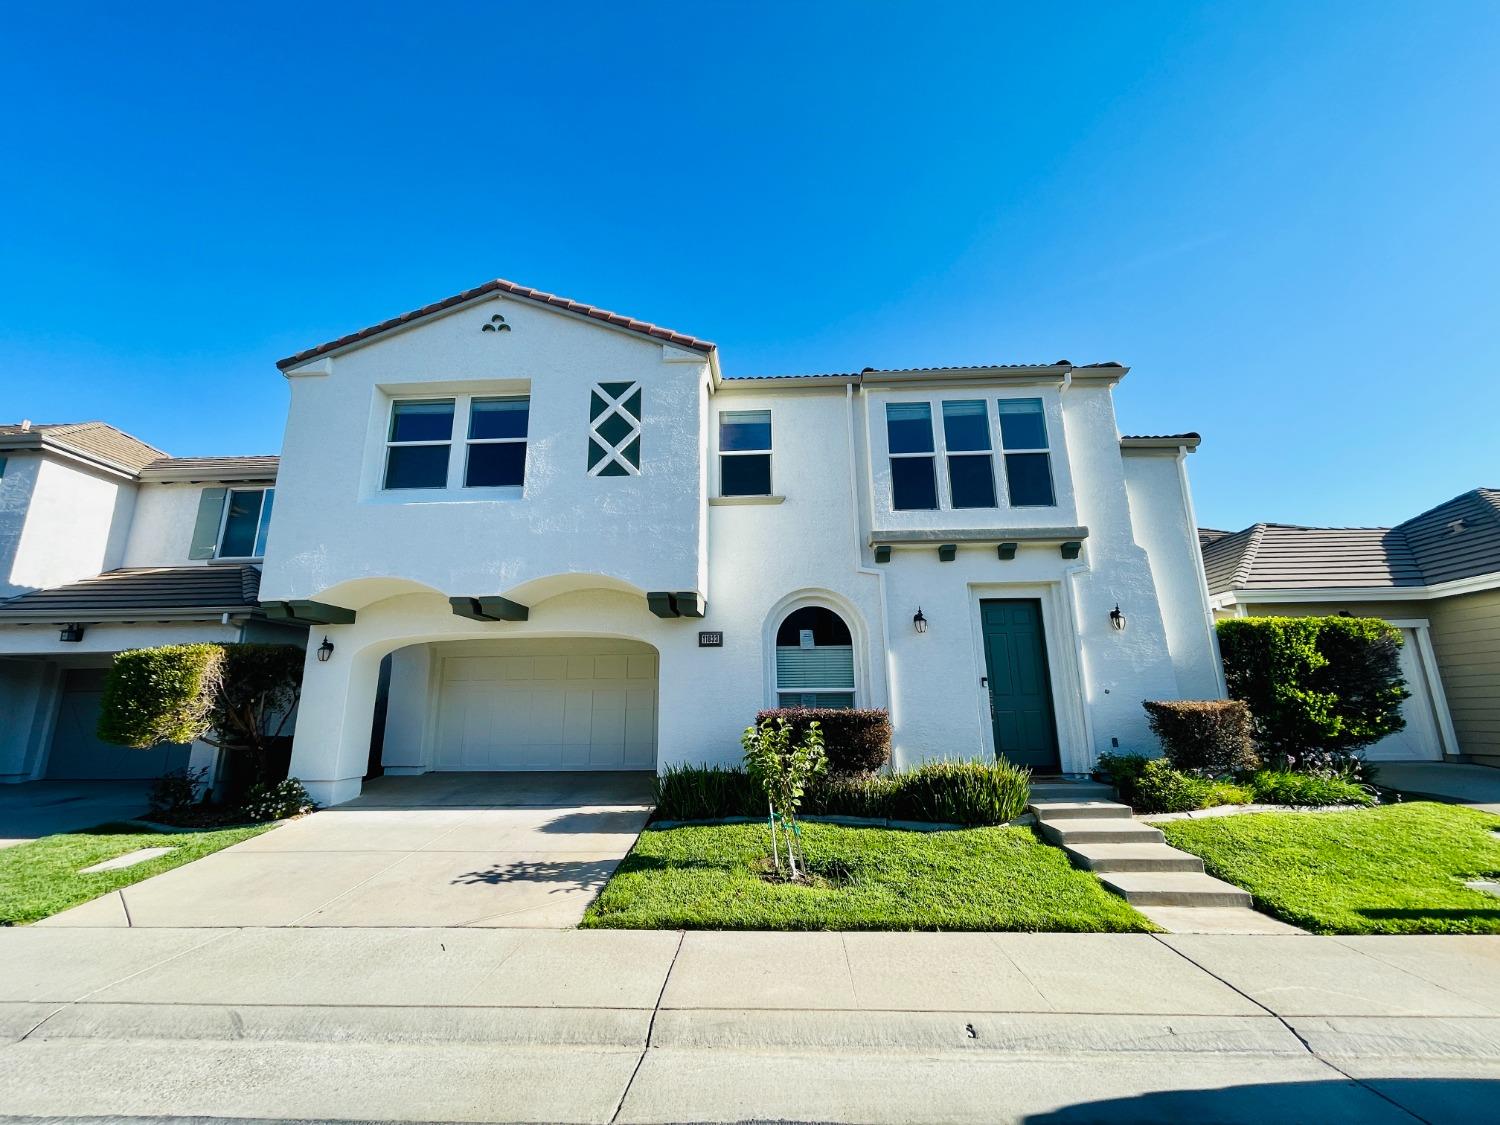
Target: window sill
{"points": [[479, 494], [726, 501], [235, 560]]}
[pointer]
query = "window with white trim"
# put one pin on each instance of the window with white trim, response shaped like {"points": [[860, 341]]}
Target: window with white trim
{"points": [[966, 438], [420, 448], [814, 660], [908, 429], [247, 515], [1028, 464], [744, 453]]}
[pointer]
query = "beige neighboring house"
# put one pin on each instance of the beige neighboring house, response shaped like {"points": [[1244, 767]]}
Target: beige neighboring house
{"points": [[1436, 577]]}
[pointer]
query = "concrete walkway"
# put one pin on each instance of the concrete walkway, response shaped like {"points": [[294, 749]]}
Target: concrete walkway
{"points": [[508, 1025], [1454, 782], [437, 850], [44, 808]]}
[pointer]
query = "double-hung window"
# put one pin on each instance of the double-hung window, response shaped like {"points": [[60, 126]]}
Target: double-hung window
{"points": [[497, 441], [971, 469], [247, 515], [745, 453], [419, 443], [1028, 464], [420, 450], [908, 429]]}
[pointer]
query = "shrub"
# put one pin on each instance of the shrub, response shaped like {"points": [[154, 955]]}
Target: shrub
{"points": [[1283, 787], [856, 741], [177, 790], [1319, 688], [277, 802], [1214, 736], [1152, 785], [972, 793]]}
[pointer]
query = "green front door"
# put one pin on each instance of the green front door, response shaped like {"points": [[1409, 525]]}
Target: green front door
{"points": [[1020, 691]]}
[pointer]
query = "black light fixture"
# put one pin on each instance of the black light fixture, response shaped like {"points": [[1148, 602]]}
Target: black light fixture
{"points": [[919, 621], [73, 632], [1117, 619], [325, 650]]}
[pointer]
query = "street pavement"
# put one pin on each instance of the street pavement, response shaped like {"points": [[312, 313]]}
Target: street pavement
{"points": [[449, 1025]]}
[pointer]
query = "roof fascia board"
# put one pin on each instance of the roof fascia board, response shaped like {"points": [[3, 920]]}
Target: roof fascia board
{"points": [[1168, 445], [1260, 595], [135, 614], [786, 383], [929, 376], [199, 476]]}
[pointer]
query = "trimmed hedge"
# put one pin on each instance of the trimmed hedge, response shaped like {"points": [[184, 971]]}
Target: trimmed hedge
{"points": [[856, 741], [1319, 688], [156, 695], [972, 793], [1213, 735]]}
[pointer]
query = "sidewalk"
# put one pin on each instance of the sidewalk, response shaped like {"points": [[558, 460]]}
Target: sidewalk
{"points": [[512, 1025]]}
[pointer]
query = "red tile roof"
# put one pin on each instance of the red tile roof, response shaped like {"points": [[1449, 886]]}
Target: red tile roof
{"points": [[510, 288]]}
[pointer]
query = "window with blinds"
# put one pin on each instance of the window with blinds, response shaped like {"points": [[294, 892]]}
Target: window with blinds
{"points": [[814, 660]]}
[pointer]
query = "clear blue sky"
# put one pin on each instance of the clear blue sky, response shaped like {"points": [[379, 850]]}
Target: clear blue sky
{"points": [[1284, 217]]}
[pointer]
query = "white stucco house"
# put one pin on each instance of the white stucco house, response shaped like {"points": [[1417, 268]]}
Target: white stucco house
{"points": [[106, 544], [536, 535]]}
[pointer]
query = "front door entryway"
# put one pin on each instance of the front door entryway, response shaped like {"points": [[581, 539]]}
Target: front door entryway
{"points": [[1020, 689]]}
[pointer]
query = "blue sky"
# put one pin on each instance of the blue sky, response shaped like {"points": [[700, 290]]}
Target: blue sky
{"points": [[1284, 217]]}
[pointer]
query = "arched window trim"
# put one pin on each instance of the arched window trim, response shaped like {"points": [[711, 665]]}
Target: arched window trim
{"points": [[847, 612]]}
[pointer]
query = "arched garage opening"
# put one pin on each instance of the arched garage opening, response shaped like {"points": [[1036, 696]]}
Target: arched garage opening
{"points": [[562, 704]]}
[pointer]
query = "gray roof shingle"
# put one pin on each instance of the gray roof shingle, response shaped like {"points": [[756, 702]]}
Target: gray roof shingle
{"points": [[140, 594], [1457, 539], [97, 441], [212, 468]]}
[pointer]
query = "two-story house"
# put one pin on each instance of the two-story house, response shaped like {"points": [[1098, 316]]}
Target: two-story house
{"points": [[529, 534], [106, 544]]}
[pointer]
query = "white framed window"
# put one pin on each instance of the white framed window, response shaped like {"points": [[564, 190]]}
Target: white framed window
{"points": [[908, 431], [814, 659], [971, 467], [242, 529], [744, 453], [1028, 464], [421, 451]]}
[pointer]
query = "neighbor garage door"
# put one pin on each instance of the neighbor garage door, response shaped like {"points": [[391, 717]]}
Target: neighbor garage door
{"points": [[77, 752], [1419, 740], [581, 710]]}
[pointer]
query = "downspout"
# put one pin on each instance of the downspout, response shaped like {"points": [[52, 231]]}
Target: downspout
{"points": [[859, 559], [1203, 596]]}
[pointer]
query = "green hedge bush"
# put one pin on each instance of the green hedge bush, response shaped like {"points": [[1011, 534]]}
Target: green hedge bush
{"points": [[1319, 688], [1212, 735], [957, 792], [1152, 785], [156, 695], [856, 740]]}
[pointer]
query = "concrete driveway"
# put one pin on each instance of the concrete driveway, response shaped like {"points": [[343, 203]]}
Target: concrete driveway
{"points": [[456, 849], [44, 808]]}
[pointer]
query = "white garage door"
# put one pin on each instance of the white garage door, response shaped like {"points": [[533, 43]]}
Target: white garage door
{"points": [[1419, 740], [574, 711]]}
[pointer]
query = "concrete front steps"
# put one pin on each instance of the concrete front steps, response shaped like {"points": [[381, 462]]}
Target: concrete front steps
{"points": [[1132, 859]]}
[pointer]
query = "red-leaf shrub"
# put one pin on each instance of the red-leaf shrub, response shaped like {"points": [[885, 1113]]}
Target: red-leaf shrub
{"points": [[856, 741]]}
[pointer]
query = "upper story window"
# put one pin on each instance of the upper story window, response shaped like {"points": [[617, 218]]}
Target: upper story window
{"points": [[420, 448], [745, 453], [971, 469], [247, 515], [908, 428], [814, 660], [1028, 464]]}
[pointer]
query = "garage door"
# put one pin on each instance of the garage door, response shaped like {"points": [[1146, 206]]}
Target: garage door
{"points": [[578, 711], [77, 752], [1419, 740]]}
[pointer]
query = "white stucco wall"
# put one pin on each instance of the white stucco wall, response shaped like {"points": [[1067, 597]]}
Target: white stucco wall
{"points": [[73, 524], [336, 536], [161, 533], [1160, 503]]}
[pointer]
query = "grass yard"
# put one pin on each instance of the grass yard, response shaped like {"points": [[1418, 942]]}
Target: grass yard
{"points": [[41, 878], [707, 877], [1398, 869]]}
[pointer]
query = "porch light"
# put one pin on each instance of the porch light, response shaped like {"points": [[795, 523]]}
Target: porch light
{"points": [[325, 650], [1117, 619], [919, 621], [73, 632]]}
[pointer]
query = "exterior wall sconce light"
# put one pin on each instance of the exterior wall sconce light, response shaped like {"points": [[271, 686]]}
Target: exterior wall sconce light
{"points": [[72, 632], [1117, 619], [325, 650], [919, 621]]}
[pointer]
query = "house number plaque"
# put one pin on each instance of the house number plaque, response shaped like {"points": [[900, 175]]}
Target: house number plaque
{"points": [[710, 640]]}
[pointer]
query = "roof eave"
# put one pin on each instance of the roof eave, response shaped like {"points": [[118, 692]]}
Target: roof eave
{"points": [[38, 441], [134, 614]]}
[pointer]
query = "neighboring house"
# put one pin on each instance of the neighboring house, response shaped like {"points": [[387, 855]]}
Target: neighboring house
{"points": [[106, 544], [536, 535], [1436, 576]]}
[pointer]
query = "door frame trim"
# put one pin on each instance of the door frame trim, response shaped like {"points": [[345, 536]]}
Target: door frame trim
{"points": [[1063, 673]]}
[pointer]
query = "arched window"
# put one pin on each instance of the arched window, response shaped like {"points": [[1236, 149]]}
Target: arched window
{"points": [[814, 660]]}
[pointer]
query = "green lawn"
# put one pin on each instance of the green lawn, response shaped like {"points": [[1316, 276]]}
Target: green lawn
{"points": [[41, 878], [1399, 869], [708, 877]]}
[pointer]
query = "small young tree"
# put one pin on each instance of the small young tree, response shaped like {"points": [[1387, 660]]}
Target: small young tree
{"points": [[784, 770], [236, 696]]}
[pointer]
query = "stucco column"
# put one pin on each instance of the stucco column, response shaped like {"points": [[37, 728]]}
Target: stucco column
{"points": [[331, 748]]}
